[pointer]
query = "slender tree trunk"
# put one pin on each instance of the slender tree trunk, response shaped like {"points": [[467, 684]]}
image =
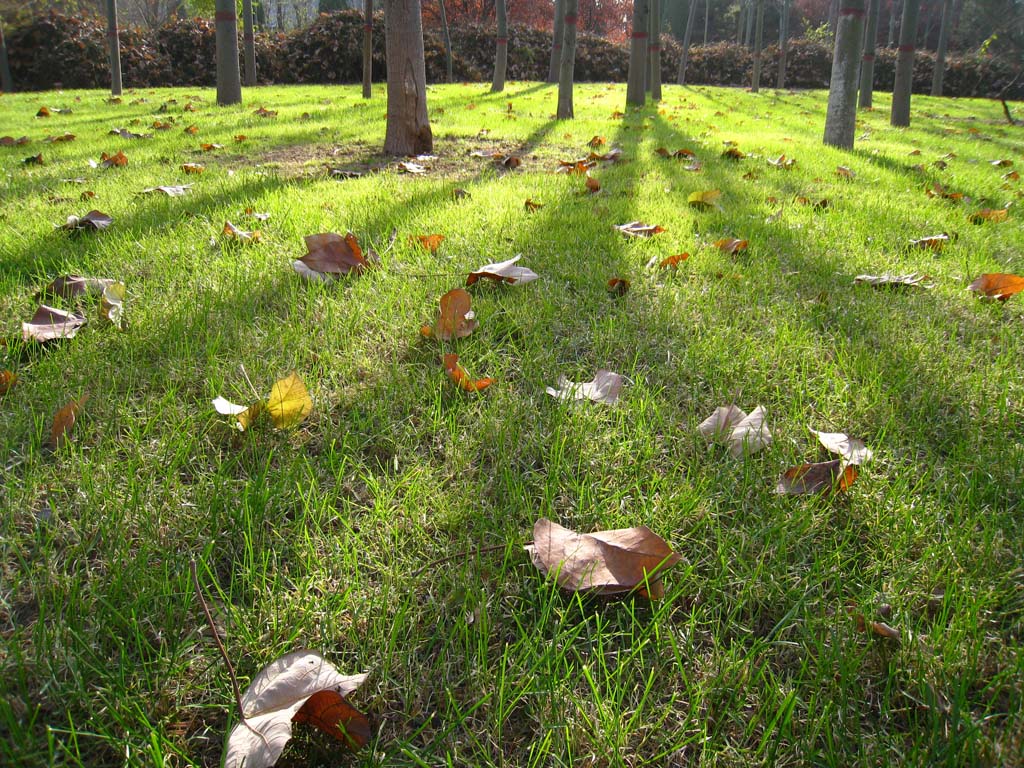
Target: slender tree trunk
{"points": [[114, 45], [755, 84], [900, 114], [568, 60], [408, 129], [841, 118], [6, 83], [501, 54], [637, 55], [229, 79], [833, 17], [867, 65], [707, 16], [367, 49], [940, 53], [748, 33], [556, 41], [780, 83], [684, 57], [654, 49], [250, 43], [447, 39], [892, 24], [741, 18]]}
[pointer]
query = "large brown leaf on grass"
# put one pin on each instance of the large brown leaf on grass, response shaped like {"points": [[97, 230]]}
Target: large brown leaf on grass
{"points": [[825, 478], [274, 699], [454, 317], [997, 285], [604, 562], [63, 421], [93, 221], [332, 713], [50, 323], [330, 256]]}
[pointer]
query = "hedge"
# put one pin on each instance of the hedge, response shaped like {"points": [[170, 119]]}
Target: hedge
{"points": [[61, 51]]}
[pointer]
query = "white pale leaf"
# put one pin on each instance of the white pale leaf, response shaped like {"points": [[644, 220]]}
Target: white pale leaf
{"points": [[604, 388], [721, 422], [311, 274], [750, 435], [507, 270], [852, 450], [227, 408]]}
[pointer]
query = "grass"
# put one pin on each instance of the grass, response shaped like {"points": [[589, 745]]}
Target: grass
{"points": [[323, 536]]}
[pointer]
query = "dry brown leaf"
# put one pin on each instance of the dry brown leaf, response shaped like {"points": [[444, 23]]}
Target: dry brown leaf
{"points": [[733, 153], [989, 214], [882, 629], [455, 319], [7, 380], [592, 185], [264, 112], [50, 323], [669, 262], [430, 242], [459, 376], [171, 191], [191, 130], [597, 141], [330, 255], [604, 562], [639, 229], [34, 160], [618, 286], [93, 221], [912, 280], [934, 242], [603, 388], [997, 285], [71, 286], [411, 167], [210, 147], [845, 173], [731, 245], [117, 160], [332, 713], [823, 478], [63, 421], [532, 206], [10, 141], [783, 162], [59, 138], [504, 271], [233, 232], [193, 168]]}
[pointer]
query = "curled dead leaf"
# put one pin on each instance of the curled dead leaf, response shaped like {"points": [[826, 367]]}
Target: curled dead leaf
{"points": [[7, 380], [459, 376], [997, 285], [232, 232], [50, 323], [455, 319], [731, 245], [603, 388], [639, 229], [743, 433], [994, 215], [850, 449], [618, 286], [93, 221], [194, 168], [430, 242], [63, 421], [504, 272], [825, 478], [329, 256]]}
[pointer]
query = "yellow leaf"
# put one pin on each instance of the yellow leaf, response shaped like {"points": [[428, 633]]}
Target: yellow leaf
{"points": [[289, 402], [705, 199]]}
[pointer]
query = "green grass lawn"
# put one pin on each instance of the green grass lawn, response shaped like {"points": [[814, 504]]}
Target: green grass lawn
{"points": [[327, 536]]}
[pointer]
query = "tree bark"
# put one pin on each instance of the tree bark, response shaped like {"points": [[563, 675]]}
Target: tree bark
{"points": [[900, 114], [867, 65], [568, 61], [748, 32], [741, 17], [780, 82], [892, 24], [556, 41], [408, 129], [707, 16], [229, 79], [940, 53], [654, 50], [367, 49], [841, 118], [114, 44], [447, 38], [6, 83], [249, 41], [684, 57], [755, 84], [635, 94], [833, 17], [501, 54]]}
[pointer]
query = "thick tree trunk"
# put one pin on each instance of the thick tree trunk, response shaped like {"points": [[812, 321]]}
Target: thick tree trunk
{"points": [[654, 50], [229, 79], [637, 55], [867, 65], [447, 39], [783, 44], [684, 57], [408, 129], [114, 45], [501, 54], [940, 53], [6, 83], [755, 84], [841, 118], [367, 49], [892, 24], [900, 114], [567, 63], [249, 43], [556, 41]]}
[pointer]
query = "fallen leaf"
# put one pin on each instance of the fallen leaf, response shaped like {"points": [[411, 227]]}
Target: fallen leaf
{"points": [[882, 629], [92, 221], [532, 206], [783, 162], [511, 162], [937, 190], [744, 434], [161, 126], [576, 167], [87, 194], [210, 147], [460, 194], [193, 167], [272, 701], [253, 214], [289, 403], [731, 245], [604, 562], [668, 261], [843, 172], [912, 280], [997, 285], [71, 286], [1001, 163], [849, 449], [639, 229], [34, 160], [618, 286], [824, 477], [989, 214], [329, 256], [430, 242], [410, 167], [117, 160], [705, 199], [597, 141], [112, 304], [10, 141], [332, 713], [63, 421], [504, 271], [1011, 176], [239, 138], [60, 138], [244, 415], [592, 185], [733, 153], [43, 112], [50, 323], [171, 191], [264, 112], [7, 380], [934, 242], [603, 388], [455, 319], [459, 376], [124, 133], [233, 232], [191, 130]]}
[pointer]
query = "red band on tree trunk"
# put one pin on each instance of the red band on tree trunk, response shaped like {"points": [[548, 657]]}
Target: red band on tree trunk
{"points": [[570, 19], [502, 41], [112, 32], [869, 57], [639, 35], [368, 27], [225, 16], [857, 12], [906, 48], [654, 48]]}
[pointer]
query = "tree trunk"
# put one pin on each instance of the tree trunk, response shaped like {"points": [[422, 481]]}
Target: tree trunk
{"points": [[367, 49], [654, 49], [229, 79], [556, 42], [841, 118], [568, 61], [408, 128], [892, 24], [114, 44], [741, 17], [637, 55], [900, 114], [501, 54], [940, 53], [748, 32], [249, 43], [444, 31], [780, 83], [755, 84], [685, 55], [867, 65], [6, 83], [833, 17], [707, 16]]}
